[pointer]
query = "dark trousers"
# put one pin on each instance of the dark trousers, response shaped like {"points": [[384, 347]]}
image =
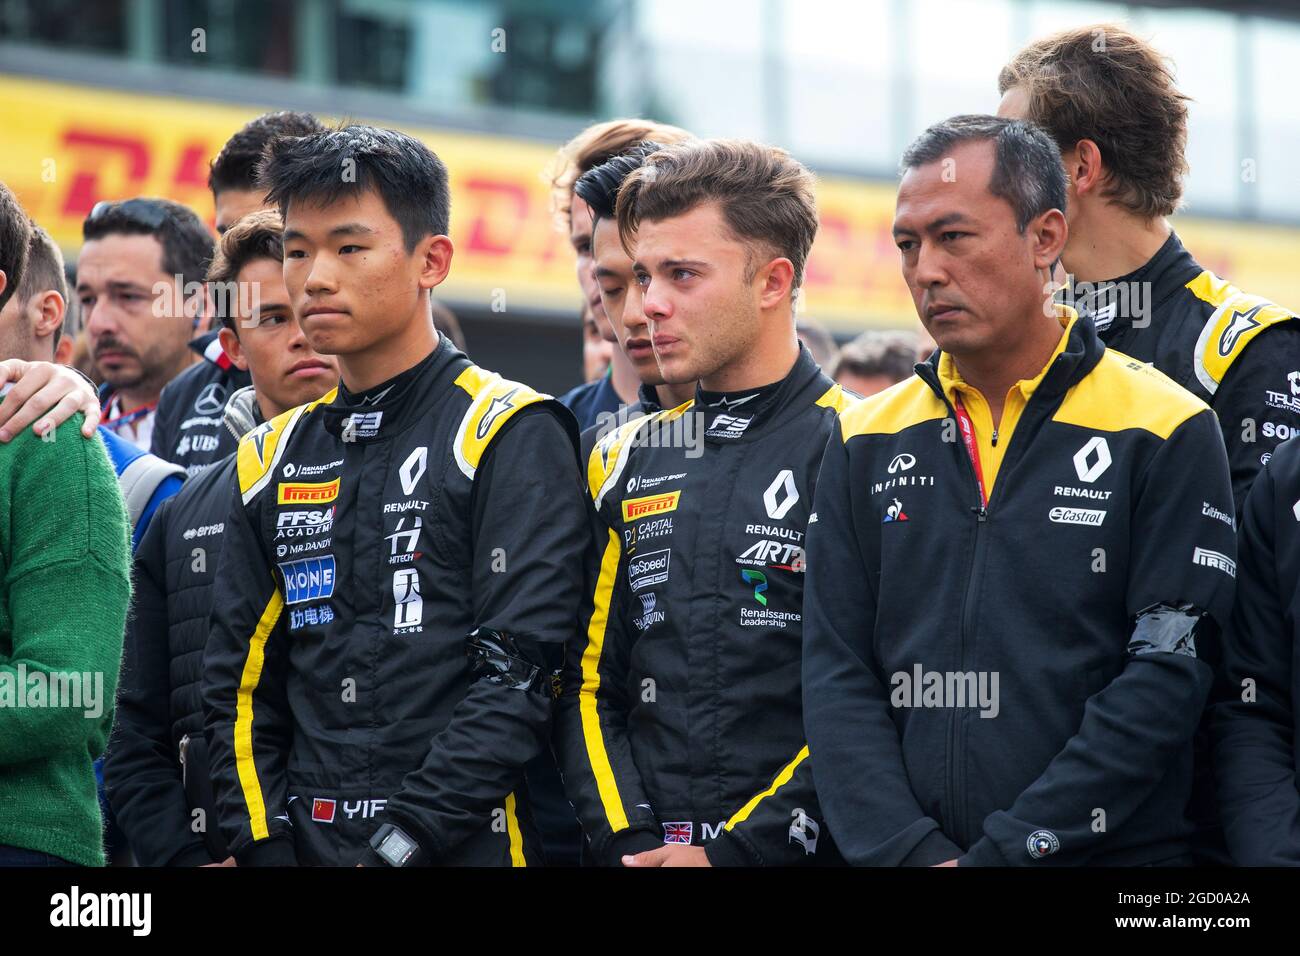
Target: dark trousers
{"points": [[19, 856]]}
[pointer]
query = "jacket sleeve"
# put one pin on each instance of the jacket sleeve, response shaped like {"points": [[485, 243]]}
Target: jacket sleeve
{"points": [[1254, 734], [1136, 726], [527, 536], [246, 711], [67, 530], [861, 780], [1252, 404], [600, 775], [142, 774], [779, 826], [162, 440]]}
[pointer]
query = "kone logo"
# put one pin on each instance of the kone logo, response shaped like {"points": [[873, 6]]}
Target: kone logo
{"points": [[781, 495], [1091, 472]]}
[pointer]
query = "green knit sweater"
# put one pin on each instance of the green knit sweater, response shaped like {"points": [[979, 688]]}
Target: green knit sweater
{"points": [[66, 582]]}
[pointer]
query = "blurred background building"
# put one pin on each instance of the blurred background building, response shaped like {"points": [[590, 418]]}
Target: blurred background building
{"points": [[113, 98]]}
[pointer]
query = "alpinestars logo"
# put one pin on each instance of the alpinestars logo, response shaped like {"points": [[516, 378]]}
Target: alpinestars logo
{"points": [[895, 512], [781, 495], [1091, 472], [1242, 322], [500, 405]]}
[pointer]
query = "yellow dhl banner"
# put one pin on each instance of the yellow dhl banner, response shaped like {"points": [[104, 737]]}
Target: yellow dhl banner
{"points": [[66, 147]]}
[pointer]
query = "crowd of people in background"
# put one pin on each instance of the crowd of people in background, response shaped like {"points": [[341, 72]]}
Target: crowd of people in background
{"points": [[1016, 587]]}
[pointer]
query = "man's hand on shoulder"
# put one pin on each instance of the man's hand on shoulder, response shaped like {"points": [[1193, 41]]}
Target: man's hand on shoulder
{"points": [[48, 392]]}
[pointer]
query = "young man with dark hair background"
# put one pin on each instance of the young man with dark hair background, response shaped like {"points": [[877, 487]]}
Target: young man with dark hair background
{"points": [[188, 428], [157, 770]]}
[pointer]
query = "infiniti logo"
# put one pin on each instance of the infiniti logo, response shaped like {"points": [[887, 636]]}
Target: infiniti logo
{"points": [[901, 463]]}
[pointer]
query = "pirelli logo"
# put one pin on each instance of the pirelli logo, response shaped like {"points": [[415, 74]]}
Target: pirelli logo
{"points": [[1214, 559], [308, 492], [635, 508]]}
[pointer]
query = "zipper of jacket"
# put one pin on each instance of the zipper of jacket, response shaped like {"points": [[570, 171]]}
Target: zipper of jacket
{"points": [[955, 771], [183, 750]]}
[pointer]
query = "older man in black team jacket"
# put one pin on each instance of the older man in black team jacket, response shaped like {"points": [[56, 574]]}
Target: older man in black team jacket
{"points": [[1018, 557], [680, 731], [403, 558]]}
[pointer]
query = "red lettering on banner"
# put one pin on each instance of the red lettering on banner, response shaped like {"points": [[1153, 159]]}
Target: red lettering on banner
{"points": [[84, 191], [495, 235]]}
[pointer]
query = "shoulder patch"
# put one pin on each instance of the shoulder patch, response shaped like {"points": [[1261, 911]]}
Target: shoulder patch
{"points": [[910, 402], [610, 455], [835, 397], [261, 449], [1123, 393], [1237, 318], [493, 400]]}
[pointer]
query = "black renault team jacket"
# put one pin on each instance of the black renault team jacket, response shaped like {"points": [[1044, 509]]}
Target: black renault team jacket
{"points": [[187, 427], [1256, 715], [369, 538], [1238, 352], [1113, 497], [156, 770], [680, 716]]}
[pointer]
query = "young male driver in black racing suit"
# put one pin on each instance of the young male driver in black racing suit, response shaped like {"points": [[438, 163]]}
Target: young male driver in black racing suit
{"points": [[403, 559], [680, 727]]}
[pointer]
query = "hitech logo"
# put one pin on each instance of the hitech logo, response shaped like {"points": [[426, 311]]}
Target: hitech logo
{"points": [[634, 508], [307, 492]]}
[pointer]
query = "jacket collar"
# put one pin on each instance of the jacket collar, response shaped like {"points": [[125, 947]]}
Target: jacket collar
{"points": [[724, 424], [1078, 355], [242, 412], [208, 345], [390, 406], [1113, 304]]}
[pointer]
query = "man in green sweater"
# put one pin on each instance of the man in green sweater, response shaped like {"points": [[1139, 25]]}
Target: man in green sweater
{"points": [[65, 583], [64, 592]]}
